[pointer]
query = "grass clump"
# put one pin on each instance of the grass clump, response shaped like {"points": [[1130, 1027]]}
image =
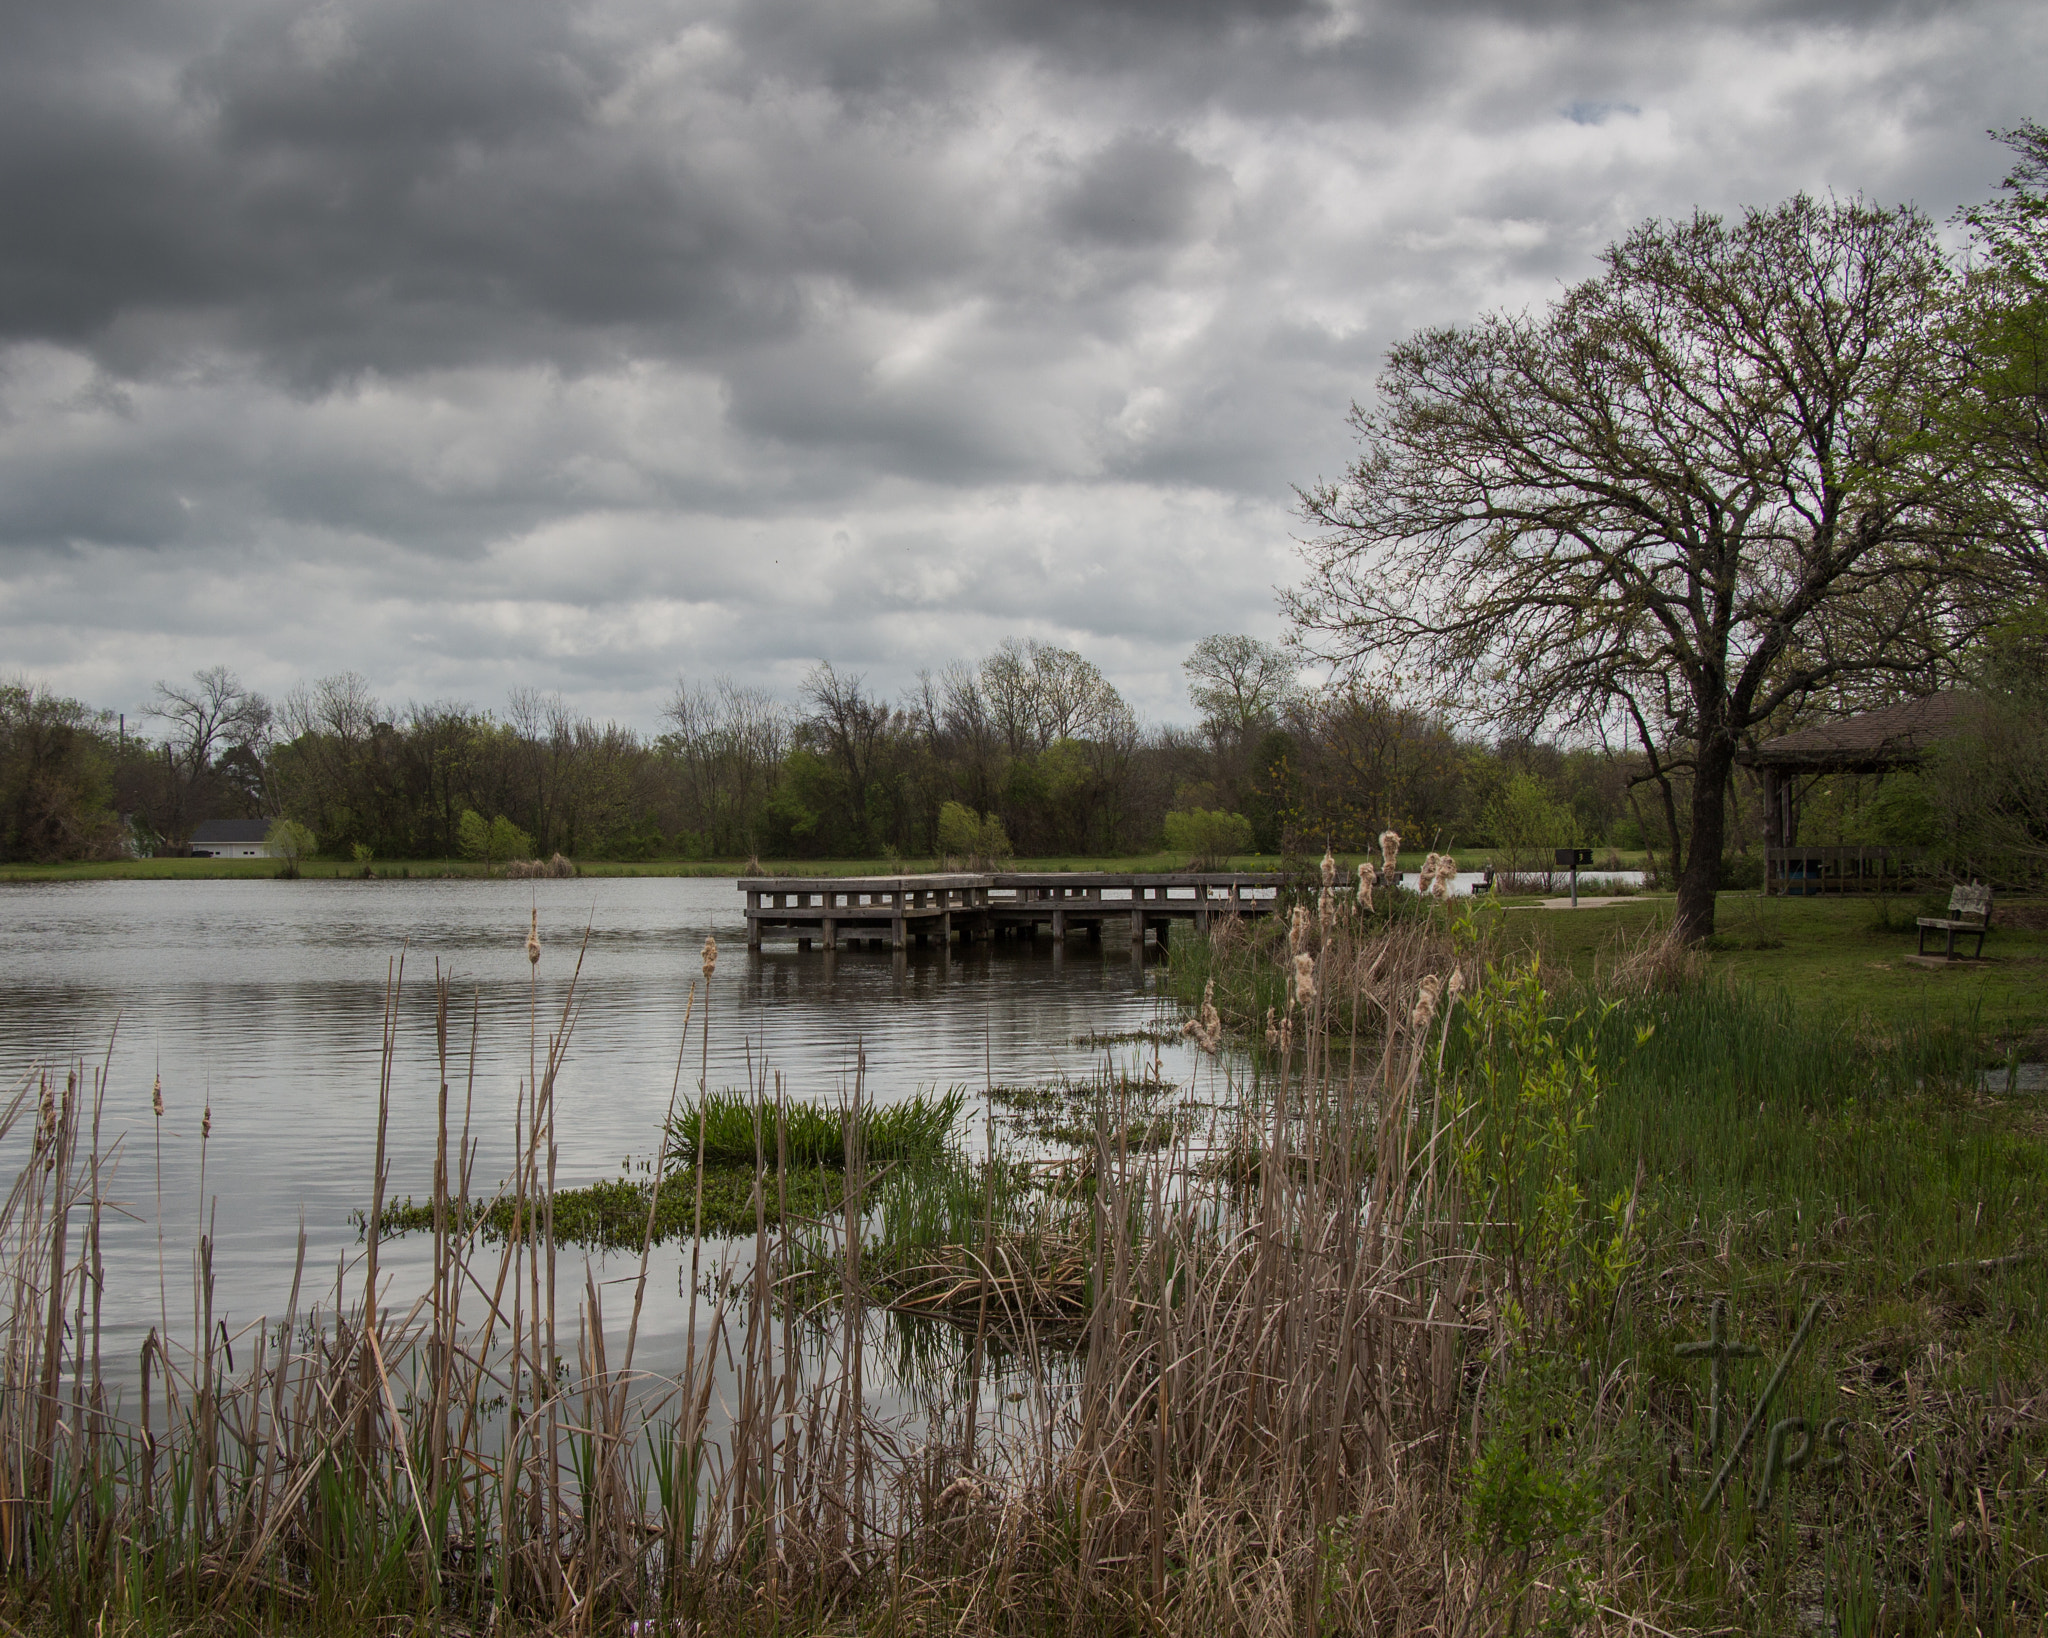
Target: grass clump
{"points": [[729, 1125], [611, 1215]]}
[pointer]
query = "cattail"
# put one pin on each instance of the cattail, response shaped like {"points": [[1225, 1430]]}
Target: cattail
{"points": [[710, 956], [1287, 1036], [533, 941], [1297, 930], [156, 1096], [1425, 1001], [206, 1123], [1326, 912], [1390, 849], [1329, 870], [1304, 978], [1272, 1029], [46, 1119], [1364, 885], [1455, 986]]}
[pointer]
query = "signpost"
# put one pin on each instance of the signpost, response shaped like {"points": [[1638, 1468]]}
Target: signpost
{"points": [[1571, 858]]}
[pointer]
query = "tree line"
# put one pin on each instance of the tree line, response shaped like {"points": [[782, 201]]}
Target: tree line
{"points": [[1029, 752]]}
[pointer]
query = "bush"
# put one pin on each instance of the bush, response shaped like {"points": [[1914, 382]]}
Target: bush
{"points": [[293, 842], [500, 839], [1742, 872], [1208, 836], [976, 838]]}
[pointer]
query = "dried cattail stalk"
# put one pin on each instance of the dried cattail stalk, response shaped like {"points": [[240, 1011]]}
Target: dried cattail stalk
{"points": [[1287, 1035], [1329, 870], [206, 1123], [1206, 1030], [1304, 978], [156, 1096], [1390, 849], [1364, 885], [1272, 1029], [710, 956], [1425, 1002], [1297, 930], [1326, 912], [533, 941], [1455, 985]]}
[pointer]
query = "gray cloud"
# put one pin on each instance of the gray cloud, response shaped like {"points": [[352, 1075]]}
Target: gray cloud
{"points": [[476, 345]]}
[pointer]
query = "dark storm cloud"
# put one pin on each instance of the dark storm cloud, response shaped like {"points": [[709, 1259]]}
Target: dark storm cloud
{"points": [[471, 343]]}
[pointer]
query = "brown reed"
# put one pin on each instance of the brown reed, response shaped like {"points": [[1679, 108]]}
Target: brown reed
{"points": [[1238, 1401]]}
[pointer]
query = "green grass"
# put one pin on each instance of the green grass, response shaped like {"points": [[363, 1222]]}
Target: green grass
{"points": [[1774, 1162], [1836, 961], [916, 1128], [612, 1215]]}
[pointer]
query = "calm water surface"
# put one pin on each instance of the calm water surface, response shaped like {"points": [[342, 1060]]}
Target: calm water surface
{"points": [[264, 1000]]}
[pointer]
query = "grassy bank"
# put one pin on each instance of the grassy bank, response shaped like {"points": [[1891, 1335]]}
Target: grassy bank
{"points": [[1656, 1137], [1838, 963]]}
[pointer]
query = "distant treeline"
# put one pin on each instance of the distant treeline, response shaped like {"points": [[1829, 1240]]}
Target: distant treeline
{"points": [[1033, 738]]}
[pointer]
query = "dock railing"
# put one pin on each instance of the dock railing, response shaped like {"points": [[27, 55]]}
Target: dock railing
{"points": [[919, 908]]}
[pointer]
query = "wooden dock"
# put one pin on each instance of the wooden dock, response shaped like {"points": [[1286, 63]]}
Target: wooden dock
{"points": [[896, 912]]}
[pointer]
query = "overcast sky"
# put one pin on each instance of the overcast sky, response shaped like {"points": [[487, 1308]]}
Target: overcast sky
{"points": [[480, 344]]}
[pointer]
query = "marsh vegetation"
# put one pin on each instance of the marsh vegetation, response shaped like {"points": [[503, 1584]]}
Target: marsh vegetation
{"points": [[1372, 1324]]}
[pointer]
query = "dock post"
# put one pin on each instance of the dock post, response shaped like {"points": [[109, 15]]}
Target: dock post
{"points": [[1137, 928], [896, 929], [1059, 927], [830, 930], [946, 929]]}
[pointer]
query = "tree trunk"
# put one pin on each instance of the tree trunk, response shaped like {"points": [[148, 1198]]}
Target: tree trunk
{"points": [[1701, 877]]}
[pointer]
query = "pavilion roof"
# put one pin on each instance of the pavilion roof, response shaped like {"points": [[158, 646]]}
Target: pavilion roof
{"points": [[1892, 737]]}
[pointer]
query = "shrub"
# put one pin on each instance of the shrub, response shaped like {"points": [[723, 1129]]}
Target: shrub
{"points": [[1208, 836], [499, 839], [977, 838], [293, 842]]}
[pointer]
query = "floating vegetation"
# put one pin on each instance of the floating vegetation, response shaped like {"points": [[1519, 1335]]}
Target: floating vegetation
{"points": [[737, 1127], [1156, 1035], [612, 1215]]}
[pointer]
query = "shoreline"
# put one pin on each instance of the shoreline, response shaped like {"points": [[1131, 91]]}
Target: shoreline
{"points": [[446, 869]]}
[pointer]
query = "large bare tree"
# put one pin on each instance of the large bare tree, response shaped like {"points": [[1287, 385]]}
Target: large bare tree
{"points": [[1693, 493]]}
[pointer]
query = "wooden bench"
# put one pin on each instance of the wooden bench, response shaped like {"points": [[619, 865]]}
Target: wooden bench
{"points": [[1969, 915]]}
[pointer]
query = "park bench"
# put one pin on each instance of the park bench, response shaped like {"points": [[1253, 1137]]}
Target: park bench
{"points": [[1969, 916]]}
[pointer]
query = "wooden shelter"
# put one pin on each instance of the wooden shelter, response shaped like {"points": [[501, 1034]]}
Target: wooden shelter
{"points": [[1875, 742]]}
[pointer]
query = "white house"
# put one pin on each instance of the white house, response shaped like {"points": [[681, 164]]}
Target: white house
{"points": [[233, 839]]}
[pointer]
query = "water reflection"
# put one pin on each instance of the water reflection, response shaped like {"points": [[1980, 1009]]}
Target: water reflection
{"points": [[264, 1001]]}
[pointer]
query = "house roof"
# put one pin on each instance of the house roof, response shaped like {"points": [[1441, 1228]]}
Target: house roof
{"points": [[1895, 736], [231, 830]]}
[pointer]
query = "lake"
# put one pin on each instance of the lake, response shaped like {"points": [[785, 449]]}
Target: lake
{"points": [[264, 1001]]}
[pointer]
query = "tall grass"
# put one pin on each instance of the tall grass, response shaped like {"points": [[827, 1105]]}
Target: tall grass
{"points": [[1236, 1408]]}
